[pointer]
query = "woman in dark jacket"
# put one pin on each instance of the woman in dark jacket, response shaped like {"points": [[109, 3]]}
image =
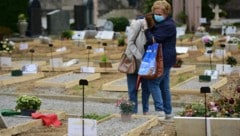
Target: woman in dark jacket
{"points": [[163, 32]]}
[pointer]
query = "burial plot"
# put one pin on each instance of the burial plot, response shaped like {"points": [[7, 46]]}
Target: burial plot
{"points": [[192, 85], [66, 80], [134, 127], [18, 124], [183, 69], [116, 85], [73, 64], [20, 64], [7, 79]]}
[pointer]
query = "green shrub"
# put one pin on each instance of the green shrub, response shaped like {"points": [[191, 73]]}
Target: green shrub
{"points": [[121, 41], [119, 23], [67, 34], [231, 61]]}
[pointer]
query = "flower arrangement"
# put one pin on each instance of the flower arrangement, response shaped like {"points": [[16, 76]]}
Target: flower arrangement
{"points": [[221, 107], [26, 102], [208, 40], [7, 46], [125, 106]]}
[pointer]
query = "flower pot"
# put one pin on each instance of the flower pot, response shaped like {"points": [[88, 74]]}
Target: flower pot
{"points": [[22, 27], [27, 112], [126, 117]]}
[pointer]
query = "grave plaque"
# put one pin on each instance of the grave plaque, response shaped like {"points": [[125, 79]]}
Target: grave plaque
{"points": [[57, 21], [85, 69], [2, 122], [61, 49], [212, 73], [107, 35], [30, 69], [23, 46], [223, 69], [78, 35]]}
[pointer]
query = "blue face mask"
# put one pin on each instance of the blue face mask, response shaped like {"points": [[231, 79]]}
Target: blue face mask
{"points": [[158, 18]]}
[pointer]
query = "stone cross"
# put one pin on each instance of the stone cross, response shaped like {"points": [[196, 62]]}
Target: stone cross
{"points": [[216, 10]]}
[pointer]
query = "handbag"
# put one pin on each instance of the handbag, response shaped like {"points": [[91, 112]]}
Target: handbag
{"points": [[127, 65], [152, 63]]}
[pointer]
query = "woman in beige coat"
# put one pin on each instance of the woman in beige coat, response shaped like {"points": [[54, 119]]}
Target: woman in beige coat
{"points": [[136, 41]]}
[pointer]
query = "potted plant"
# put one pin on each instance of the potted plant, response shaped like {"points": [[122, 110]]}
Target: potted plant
{"points": [[231, 61], [104, 62], [22, 24], [28, 104], [67, 34], [126, 108]]}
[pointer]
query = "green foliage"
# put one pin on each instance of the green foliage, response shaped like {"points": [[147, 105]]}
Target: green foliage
{"points": [[119, 23], [181, 17], [231, 61], [104, 58], [95, 116], [125, 106], [121, 41], [193, 110], [22, 17], [28, 102], [10, 9], [67, 34]]}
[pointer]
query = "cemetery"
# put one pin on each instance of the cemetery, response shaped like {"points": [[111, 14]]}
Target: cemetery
{"points": [[67, 55]]}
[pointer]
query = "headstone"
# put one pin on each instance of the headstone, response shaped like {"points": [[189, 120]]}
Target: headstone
{"points": [[35, 19], [30, 69], [58, 21], [220, 53], [56, 62], [228, 30], [212, 73], [62, 49], [75, 127], [107, 35], [182, 50], [78, 35], [216, 23], [79, 17], [89, 11], [85, 69], [2, 122], [108, 26]]}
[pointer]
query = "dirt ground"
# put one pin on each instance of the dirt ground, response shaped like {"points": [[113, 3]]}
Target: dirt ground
{"points": [[166, 128]]}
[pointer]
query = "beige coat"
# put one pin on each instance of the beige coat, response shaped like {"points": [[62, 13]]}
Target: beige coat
{"points": [[136, 40]]}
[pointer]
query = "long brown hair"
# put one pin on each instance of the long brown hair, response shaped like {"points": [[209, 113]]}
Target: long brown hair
{"points": [[149, 19]]}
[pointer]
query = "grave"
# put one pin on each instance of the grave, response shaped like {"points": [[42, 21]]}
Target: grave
{"points": [[20, 64], [136, 126], [57, 22], [216, 23], [7, 79], [25, 124], [59, 51], [183, 69], [192, 85], [116, 85], [66, 80], [66, 66]]}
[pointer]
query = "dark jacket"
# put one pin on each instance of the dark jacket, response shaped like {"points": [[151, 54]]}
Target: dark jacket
{"points": [[165, 33]]}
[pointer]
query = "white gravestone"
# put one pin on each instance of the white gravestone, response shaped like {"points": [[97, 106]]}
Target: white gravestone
{"points": [[106, 35], [70, 62], [212, 73], [98, 50], [182, 50], [30, 69], [229, 30], [219, 53], [61, 49], [216, 23], [85, 69], [78, 35], [75, 127], [6, 61]]}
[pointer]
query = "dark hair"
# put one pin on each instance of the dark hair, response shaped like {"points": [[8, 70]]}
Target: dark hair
{"points": [[149, 19]]}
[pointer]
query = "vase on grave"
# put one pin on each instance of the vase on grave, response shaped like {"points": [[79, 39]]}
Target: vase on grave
{"points": [[27, 112], [126, 117], [22, 27]]}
